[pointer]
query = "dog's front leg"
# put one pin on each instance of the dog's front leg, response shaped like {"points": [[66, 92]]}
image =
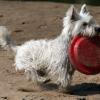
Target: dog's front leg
{"points": [[65, 78], [64, 81]]}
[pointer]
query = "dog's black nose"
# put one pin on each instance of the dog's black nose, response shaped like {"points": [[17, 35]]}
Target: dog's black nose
{"points": [[97, 29]]}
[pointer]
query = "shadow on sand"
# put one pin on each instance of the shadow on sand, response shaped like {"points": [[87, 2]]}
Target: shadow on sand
{"points": [[89, 2], [86, 89], [83, 89]]}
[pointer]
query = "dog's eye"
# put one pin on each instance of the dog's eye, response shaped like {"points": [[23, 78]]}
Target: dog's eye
{"points": [[85, 24]]}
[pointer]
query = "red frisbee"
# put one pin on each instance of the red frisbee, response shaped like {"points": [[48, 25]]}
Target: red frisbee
{"points": [[84, 54]]}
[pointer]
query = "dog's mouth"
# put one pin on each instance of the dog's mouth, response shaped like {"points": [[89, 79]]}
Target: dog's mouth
{"points": [[98, 34], [89, 35]]}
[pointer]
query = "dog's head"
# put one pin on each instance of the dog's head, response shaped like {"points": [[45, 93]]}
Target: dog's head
{"points": [[81, 23]]}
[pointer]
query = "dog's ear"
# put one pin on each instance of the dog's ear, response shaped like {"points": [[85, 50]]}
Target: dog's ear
{"points": [[84, 9], [72, 13]]}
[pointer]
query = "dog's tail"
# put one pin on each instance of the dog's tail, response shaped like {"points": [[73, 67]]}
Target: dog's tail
{"points": [[6, 41]]}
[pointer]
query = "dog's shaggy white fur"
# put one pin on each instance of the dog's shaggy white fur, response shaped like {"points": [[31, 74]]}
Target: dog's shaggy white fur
{"points": [[48, 59]]}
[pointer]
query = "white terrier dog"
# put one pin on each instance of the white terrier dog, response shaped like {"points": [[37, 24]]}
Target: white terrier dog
{"points": [[48, 59]]}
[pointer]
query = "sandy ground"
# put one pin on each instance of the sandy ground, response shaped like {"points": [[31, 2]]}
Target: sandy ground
{"points": [[28, 20]]}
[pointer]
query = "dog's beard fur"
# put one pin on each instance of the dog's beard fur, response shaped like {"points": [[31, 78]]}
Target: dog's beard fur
{"points": [[48, 59]]}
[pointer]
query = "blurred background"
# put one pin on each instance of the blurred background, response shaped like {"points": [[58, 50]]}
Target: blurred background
{"points": [[89, 2]]}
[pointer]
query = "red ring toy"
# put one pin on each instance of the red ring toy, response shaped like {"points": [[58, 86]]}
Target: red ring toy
{"points": [[84, 54]]}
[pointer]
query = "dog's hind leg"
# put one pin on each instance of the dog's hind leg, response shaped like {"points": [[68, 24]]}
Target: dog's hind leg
{"points": [[32, 74]]}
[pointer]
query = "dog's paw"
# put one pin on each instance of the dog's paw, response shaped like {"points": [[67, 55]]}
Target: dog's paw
{"points": [[67, 90], [43, 80]]}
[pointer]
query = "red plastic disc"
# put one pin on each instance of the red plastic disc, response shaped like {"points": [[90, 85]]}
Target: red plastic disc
{"points": [[84, 54]]}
